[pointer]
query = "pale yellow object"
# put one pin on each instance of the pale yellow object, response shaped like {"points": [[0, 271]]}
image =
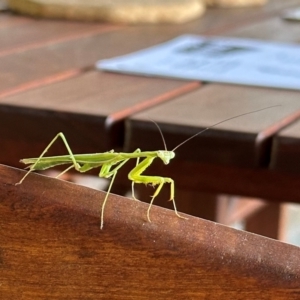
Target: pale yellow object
{"points": [[235, 3], [119, 11]]}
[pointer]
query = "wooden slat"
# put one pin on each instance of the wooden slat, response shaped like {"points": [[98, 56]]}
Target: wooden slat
{"points": [[25, 67], [40, 33], [51, 246], [95, 93]]}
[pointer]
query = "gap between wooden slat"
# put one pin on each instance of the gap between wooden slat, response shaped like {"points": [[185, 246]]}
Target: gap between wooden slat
{"points": [[277, 126], [41, 82], [122, 114]]}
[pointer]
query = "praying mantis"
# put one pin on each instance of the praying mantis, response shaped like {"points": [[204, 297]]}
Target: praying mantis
{"points": [[110, 162]]}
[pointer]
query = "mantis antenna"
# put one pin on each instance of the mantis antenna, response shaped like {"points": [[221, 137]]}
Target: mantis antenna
{"points": [[207, 128], [162, 136]]}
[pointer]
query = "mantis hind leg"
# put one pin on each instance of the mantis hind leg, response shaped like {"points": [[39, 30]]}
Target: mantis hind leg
{"points": [[65, 171], [105, 200], [172, 188], [59, 135]]}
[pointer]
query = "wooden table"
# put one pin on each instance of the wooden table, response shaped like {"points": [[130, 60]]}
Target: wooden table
{"points": [[48, 77]]}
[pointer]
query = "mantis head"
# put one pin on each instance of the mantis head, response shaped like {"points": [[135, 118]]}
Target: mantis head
{"points": [[165, 155]]}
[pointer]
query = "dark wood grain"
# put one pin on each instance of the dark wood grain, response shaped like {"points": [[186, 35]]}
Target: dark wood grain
{"points": [[51, 247]]}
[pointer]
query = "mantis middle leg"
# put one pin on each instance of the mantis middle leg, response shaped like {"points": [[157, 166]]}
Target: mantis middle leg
{"points": [[106, 172]]}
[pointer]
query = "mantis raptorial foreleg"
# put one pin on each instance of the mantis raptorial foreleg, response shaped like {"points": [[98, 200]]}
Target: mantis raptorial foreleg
{"points": [[59, 135], [136, 177]]}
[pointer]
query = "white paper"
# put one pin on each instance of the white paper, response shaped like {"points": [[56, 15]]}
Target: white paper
{"points": [[227, 60]]}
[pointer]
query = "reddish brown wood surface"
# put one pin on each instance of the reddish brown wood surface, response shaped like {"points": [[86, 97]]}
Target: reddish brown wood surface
{"points": [[52, 57], [51, 247], [40, 33]]}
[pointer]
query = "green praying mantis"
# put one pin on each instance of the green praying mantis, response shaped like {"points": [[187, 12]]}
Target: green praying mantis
{"points": [[110, 162]]}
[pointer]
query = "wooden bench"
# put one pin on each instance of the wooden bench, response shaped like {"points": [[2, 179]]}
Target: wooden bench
{"points": [[51, 246]]}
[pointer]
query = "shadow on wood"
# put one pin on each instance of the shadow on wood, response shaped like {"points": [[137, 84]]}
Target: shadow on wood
{"points": [[51, 247]]}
